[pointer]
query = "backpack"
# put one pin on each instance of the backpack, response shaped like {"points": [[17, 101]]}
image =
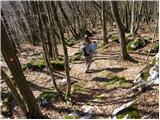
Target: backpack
{"points": [[85, 53]]}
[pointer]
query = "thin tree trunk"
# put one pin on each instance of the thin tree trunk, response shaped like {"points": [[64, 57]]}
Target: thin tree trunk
{"points": [[16, 70], [133, 17], [43, 40], [65, 51], [119, 25], [14, 91], [73, 31], [105, 41], [139, 17]]}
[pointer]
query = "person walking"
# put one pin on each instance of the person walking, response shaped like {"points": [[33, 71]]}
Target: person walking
{"points": [[87, 50]]}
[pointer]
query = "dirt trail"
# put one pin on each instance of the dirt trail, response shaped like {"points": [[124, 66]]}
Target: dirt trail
{"points": [[93, 91]]}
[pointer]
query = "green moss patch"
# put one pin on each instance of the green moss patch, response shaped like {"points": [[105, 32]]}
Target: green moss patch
{"points": [[131, 111], [115, 39], [103, 73], [136, 44], [155, 48], [145, 73], [70, 117], [35, 64], [57, 64], [75, 57], [39, 64], [6, 98], [77, 88], [47, 96], [102, 44], [116, 82]]}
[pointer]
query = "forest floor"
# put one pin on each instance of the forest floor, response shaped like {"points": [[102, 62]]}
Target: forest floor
{"points": [[95, 88]]}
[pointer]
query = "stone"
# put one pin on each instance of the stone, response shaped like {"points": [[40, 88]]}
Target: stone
{"points": [[74, 114]]}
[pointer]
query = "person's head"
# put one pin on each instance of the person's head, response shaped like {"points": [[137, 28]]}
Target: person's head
{"points": [[86, 39]]}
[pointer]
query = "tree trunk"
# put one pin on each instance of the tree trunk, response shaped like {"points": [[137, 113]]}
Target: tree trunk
{"points": [[119, 25], [139, 17], [73, 31], [133, 17], [105, 41], [43, 30], [14, 91], [16, 70], [65, 50]]}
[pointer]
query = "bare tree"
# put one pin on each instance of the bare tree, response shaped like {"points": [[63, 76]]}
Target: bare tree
{"points": [[119, 25], [16, 70], [64, 49], [104, 23]]}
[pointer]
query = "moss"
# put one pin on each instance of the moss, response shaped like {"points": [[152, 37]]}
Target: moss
{"points": [[35, 64], [41, 63], [49, 95], [70, 117], [103, 73], [78, 88], [75, 57], [136, 44], [145, 73], [6, 97], [57, 64], [128, 34], [116, 82], [132, 111], [102, 44], [155, 48], [115, 39]]}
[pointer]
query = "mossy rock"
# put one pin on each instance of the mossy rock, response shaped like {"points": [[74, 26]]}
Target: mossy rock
{"points": [[116, 82], [70, 117], [128, 34], [47, 97], [131, 111], [58, 64], [136, 44], [76, 57], [35, 64], [6, 97], [145, 74], [115, 39], [155, 48]]}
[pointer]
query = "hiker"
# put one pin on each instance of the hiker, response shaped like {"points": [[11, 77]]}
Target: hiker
{"points": [[87, 49]]}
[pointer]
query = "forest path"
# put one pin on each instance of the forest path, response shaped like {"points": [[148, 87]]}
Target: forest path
{"points": [[95, 88]]}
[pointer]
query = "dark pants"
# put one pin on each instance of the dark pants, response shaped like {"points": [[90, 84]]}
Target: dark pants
{"points": [[88, 61]]}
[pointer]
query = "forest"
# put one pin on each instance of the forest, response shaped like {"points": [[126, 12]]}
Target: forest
{"points": [[79, 59]]}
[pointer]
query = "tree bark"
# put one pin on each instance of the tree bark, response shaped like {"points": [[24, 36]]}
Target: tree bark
{"points": [[14, 91], [43, 39], [119, 25], [16, 70], [64, 49], [133, 17], [139, 17], [105, 41]]}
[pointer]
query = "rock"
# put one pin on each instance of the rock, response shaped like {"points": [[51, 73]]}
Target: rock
{"points": [[74, 114], [63, 82], [87, 116], [88, 112], [86, 108], [121, 108], [138, 78]]}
